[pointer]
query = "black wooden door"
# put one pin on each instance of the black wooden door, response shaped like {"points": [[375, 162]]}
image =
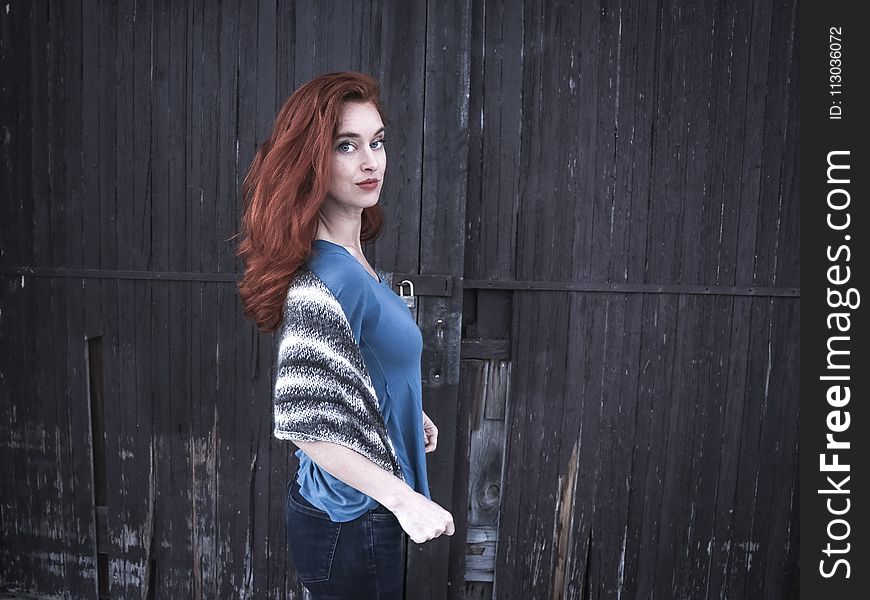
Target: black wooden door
{"points": [[136, 399], [630, 325]]}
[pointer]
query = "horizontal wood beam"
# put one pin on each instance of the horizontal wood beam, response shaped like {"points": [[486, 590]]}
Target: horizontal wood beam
{"points": [[115, 274], [629, 288], [486, 349], [430, 285]]}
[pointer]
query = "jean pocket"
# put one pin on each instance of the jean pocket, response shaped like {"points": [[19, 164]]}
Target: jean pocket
{"points": [[385, 517], [312, 541], [297, 502]]}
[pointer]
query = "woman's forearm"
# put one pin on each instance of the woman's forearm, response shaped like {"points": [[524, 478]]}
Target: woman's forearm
{"points": [[357, 471], [421, 518]]}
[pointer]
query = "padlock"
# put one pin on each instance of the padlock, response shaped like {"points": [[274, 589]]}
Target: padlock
{"points": [[410, 300]]}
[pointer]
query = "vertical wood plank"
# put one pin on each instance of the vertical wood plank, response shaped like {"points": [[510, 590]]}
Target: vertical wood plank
{"points": [[495, 119], [105, 17], [400, 68], [636, 113], [123, 71], [15, 309], [69, 241], [136, 224], [778, 158], [16, 151], [40, 108], [758, 38], [444, 160]]}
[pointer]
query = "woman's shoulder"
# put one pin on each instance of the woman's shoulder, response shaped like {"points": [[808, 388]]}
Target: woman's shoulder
{"points": [[340, 272]]}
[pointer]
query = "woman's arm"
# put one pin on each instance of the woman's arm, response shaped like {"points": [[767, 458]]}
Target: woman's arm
{"points": [[421, 518]]}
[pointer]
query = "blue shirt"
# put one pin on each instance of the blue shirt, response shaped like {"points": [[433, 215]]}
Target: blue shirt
{"points": [[391, 347]]}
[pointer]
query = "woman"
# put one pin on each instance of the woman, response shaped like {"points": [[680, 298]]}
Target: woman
{"points": [[347, 390]]}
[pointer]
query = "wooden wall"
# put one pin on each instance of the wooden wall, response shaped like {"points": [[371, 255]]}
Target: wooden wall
{"points": [[632, 301], [610, 191], [136, 412]]}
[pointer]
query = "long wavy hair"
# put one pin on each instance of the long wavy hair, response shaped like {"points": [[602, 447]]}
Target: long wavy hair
{"points": [[285, 187]]}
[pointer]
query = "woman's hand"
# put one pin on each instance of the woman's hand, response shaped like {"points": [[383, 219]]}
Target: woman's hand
{"points": [[430, 432], [421, 518]]}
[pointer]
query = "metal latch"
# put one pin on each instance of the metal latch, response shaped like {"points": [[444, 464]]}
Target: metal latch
{"points": [[410, 300]]}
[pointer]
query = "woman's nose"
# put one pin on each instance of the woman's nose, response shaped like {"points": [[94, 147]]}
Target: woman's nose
{"points": [[369, 161]]}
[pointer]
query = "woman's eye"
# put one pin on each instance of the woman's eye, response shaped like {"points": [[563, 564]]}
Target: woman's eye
{"points": [[381, 142], [345, 146]]}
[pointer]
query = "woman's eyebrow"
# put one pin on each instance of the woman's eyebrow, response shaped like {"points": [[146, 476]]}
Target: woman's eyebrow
{"points": [[350, 134]]}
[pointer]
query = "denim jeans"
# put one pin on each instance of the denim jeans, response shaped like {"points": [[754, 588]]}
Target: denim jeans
{"points": [[363, 558]]}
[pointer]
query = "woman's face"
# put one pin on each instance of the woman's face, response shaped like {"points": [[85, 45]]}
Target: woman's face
{"points": [[358, 156]]}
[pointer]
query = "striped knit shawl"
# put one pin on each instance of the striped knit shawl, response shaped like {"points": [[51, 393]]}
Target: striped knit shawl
{"points": [[323, 391]]}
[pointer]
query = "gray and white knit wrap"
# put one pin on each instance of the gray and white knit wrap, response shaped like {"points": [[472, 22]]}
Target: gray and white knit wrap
{"points": [[323, 391]]}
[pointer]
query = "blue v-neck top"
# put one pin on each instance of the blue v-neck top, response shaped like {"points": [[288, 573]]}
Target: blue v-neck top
{"points": [[391, 347]]}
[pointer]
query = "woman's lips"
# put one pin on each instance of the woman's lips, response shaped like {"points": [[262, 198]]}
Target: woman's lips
{"points": [[370, 185]]}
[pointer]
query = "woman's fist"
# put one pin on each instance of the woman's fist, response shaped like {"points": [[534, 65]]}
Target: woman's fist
{"points": [[422, 519]]}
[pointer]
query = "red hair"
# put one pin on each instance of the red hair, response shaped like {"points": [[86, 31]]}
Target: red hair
{"points": [[285, 187]]}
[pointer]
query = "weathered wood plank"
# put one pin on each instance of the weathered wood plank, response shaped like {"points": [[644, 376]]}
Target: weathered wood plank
{"points": [[695, 144], [226, 155], [17, 307], [758, 37], [136, 223], [668, 146], [16, 152], [129, 467], [480, 555], [547, 99], [37, 226], [577, 426], [122, 70], [67, 225], [495, 121], [637, 117], [467, 401], [485, 349], [78, 401], [488, 385], [398, 61], [173, 116], [603, 448], [106, 130], [776, 503], [787, 271], [532, 466], [207, 142], [442, 219], [778, 159], [712, 322]]}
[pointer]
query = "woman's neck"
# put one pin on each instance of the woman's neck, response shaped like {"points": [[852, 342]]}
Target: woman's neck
{"points": [[343, 230]]}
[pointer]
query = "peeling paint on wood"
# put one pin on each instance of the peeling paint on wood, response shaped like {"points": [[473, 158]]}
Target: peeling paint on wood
{"points": [[563, 523]]}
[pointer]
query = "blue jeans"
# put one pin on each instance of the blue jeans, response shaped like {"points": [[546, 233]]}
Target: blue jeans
{"points": [[363, 558]]}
